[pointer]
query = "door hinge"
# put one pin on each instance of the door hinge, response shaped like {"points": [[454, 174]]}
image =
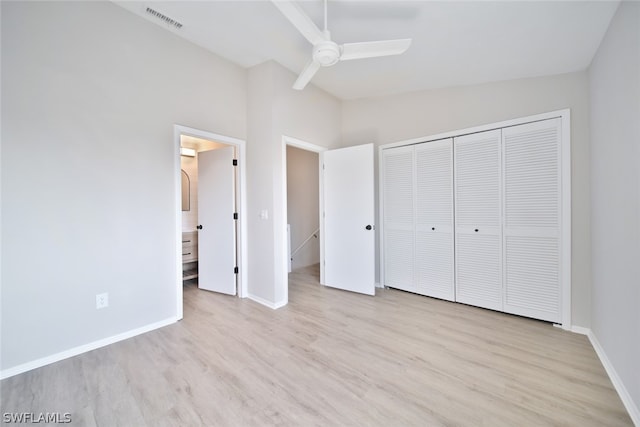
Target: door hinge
{"points": [[235, 215], [235, 162], [235, 270]]}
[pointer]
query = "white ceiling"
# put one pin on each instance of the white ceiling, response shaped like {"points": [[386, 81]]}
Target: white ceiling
{"points": [[454, 42]]}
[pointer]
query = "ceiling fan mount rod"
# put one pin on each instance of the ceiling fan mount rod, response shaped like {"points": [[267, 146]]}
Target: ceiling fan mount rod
{"points": [[325, 16]]}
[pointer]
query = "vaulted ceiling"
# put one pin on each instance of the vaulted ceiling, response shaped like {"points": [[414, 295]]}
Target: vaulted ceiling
{"points": [[454, 42]]}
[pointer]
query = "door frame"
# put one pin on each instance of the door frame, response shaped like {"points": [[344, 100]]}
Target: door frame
{"points": [[298, 143], [241, 240]]}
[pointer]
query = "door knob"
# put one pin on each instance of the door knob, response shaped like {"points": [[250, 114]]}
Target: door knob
{"points": [[199, 227], [368, 227]]}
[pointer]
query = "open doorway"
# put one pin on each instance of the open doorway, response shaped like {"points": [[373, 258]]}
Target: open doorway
{"points": [[303, 210], [303, 207], [210, 222], [208, 214], [347, 239]]}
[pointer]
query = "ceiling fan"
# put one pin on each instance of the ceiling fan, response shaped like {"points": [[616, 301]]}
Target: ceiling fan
{"points": [[326, 52]]}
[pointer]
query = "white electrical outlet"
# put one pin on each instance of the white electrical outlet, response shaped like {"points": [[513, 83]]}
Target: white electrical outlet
{"points": [[102, 300]]}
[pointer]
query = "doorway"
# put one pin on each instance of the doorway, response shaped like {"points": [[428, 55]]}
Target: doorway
{"points": [[303, 209], [212, 165], [347, 236], [304, 230]]}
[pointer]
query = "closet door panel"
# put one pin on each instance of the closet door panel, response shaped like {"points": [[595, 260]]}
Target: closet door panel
{"points": [[434, 265], [478, 270], [399, 260], [532, 212], [434, 252], [532, 277], [532, 176], [398, 213], [434, 184], [477, 180], [478, 223]]}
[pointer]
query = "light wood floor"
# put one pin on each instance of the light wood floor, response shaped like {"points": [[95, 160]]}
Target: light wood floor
{"points": [[330, 358]]}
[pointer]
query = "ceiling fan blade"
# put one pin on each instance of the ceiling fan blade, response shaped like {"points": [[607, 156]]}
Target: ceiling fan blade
{"points": [[300, 20], [306, 75], [374, 49]]}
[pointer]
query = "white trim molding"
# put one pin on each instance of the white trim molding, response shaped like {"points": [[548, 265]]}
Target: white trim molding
{"points": [[266, 303], [580, 330], [38, 363], [625, 396], [628, 402]]}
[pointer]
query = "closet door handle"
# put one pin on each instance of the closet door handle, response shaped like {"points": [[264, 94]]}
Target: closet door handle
{"points": [[476, 230], [199, 227], [433, 228], [368, 227]]}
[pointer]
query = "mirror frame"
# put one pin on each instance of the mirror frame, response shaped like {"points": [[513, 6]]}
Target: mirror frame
{"points": [[186, 191]]}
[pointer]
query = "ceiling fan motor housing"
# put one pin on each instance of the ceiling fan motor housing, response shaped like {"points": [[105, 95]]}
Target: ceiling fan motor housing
{"points": [[326, 53]]}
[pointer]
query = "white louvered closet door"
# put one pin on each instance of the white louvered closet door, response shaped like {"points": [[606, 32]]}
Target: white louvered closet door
{"points": [[398, 213], [532, 191], [478, 219], [434, 219]]}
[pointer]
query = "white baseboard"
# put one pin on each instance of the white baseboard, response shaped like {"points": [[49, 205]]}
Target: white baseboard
{"points": [[6, 373], [628, 402], [279, 304], [580, 330], [266, 303]]}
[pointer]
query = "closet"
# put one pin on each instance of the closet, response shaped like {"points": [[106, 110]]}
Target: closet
{"points": [[418, 218], [476, 218]]}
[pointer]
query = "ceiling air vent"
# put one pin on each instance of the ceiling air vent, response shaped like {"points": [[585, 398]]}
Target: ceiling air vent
{"points": [[165, 18]]}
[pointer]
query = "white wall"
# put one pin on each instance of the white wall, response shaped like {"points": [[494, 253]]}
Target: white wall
{"points": [[274, 109], [395, 118], [90, 94], [261, 150], [615, 195], [303, 205]]}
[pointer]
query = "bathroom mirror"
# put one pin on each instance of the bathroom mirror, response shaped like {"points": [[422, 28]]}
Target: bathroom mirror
{"points": [[186, 196]]}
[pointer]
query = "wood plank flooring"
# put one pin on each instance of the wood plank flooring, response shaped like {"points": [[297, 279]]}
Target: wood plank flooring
{"points": [[330, 358]]}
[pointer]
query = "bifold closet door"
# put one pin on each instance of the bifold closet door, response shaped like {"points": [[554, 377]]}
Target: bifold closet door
{"points": [[434, 219], [532, 214], [478, 225], [398, 182]]}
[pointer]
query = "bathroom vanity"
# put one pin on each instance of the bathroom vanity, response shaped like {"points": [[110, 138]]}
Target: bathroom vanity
{"points": [[189, 255]]}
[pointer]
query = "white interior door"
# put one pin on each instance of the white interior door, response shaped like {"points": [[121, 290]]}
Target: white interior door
{"points": [[434, 219], [478, 229], [532, 220], [216, 208], [398, 186], [349, 236]]}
